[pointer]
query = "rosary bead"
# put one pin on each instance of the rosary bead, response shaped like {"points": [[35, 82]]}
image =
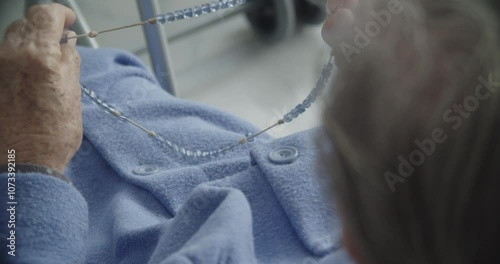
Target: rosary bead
{"points": [[161, 19], [115, 112], [170, 17], [320, 83], [307, 102], [197, 11], [214, 6], [326, 71], [164, 18], [188, 13], [313, 95], [287, 118], [179, 15], [224, 4], [205, 8], [300, 109], [159, 138], [152, 134], [182, 150], [248, 137], [93, 34]]}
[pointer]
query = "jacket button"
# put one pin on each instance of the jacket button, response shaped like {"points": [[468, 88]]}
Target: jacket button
{"points": [[283, 155], [146, 170]]}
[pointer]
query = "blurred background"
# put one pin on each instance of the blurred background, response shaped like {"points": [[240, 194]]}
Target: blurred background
{"points": [[234, 64]]}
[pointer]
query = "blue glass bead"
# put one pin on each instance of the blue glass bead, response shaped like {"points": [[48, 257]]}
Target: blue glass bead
{"points": [[170, 17], [197, 11], [182, 150], [176, 148], [161, 19], [189, 153], [288, 118], [248, 135], [307, 102], [198, 153], [214, 6], [205, 9], [160, 138], [313, 95], [188, 13], [300, 109], [320, 83], [103, 104], [231, 3], [240, 2], [224, 4], [179, 15], [326, 73]]}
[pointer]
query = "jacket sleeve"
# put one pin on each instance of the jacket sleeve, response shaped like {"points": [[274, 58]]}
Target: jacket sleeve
{"points": [[43, 220]]}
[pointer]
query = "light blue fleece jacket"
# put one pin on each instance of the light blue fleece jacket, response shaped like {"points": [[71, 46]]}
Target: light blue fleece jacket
{"points": [[239, 208]]}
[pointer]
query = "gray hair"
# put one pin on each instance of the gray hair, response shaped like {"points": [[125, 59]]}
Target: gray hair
{"points": [[415, 125]]}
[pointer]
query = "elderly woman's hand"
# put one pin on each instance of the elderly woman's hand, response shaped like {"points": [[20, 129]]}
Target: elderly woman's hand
{"points": [[40, 108]]}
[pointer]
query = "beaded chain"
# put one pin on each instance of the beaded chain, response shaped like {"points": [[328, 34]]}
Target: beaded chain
{"points": [[168, 143], [170, 17], [249, 137]]}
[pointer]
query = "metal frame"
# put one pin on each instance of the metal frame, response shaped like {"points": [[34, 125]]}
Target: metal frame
{"points": [[157, 44]]}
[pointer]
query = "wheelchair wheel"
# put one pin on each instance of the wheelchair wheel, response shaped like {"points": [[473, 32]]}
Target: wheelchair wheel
{"points": [[308, 13], [273, 20]]}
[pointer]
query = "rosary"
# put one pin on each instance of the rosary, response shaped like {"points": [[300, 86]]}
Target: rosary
{"points": [[202, 154]]}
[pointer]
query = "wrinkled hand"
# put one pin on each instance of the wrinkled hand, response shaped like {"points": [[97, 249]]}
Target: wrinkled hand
{"points": [[339, 22], [40, 109]]}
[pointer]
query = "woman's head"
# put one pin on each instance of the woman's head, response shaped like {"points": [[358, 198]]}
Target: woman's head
{"points": [[414, 120]]}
